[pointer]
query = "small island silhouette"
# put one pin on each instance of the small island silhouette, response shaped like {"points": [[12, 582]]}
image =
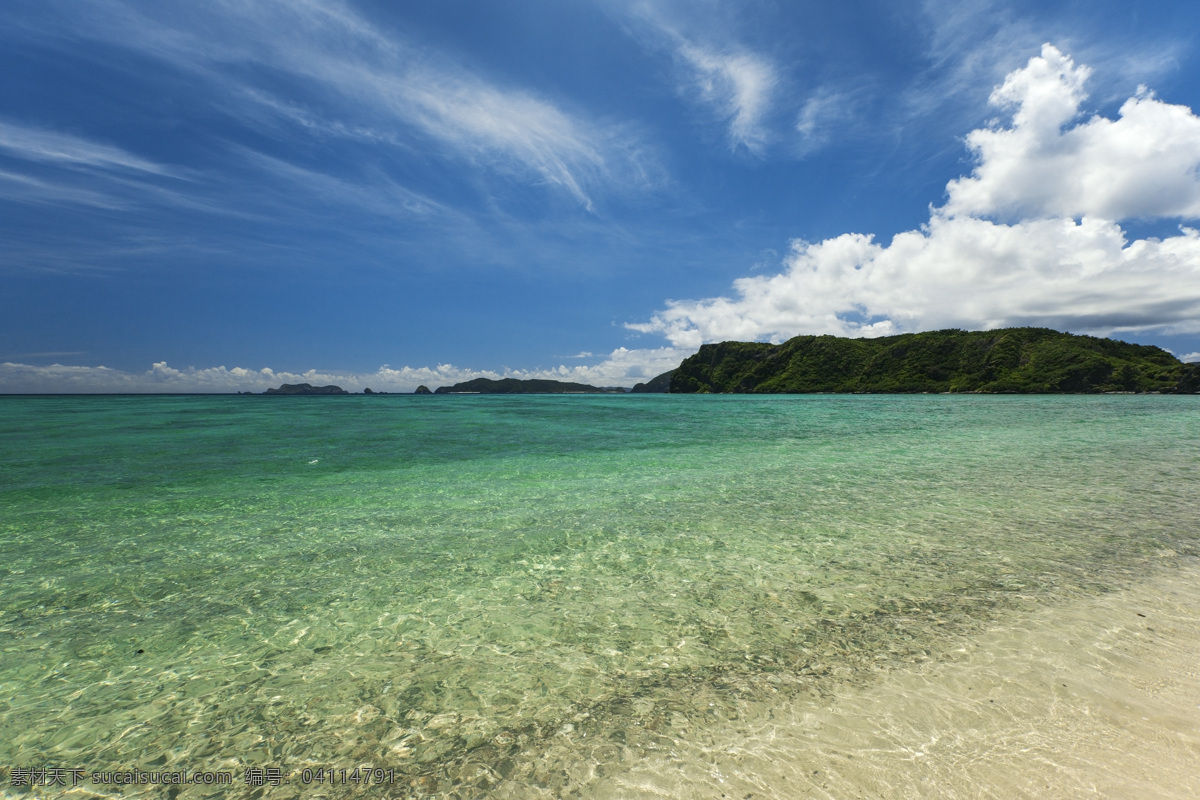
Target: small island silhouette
{"points": [[306, 388]]}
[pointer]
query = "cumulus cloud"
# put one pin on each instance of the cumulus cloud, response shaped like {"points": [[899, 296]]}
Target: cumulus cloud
{"points": [[622, 367], [1063, 262], [1142, 165], [957, 272]]}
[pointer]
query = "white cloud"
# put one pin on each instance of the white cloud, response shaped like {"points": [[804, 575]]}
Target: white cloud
{"points": [[1143, 165], [161, 377], [958, 272], [1190, 358], [623, 367], [738, 85], [961, 270]]}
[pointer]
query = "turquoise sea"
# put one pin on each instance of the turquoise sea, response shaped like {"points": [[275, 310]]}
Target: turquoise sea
{"points": [[531, 596]]}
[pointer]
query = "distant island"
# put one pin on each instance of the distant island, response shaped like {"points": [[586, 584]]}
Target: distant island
{"points": [[1002, 361], [306, 388], [1007, 360], [658, 385], [514, 386]]}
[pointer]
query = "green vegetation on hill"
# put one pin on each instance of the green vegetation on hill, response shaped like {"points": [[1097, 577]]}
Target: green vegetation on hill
{"points": [[1023, 360], [514, 386], [658, 385], [306, 388]]}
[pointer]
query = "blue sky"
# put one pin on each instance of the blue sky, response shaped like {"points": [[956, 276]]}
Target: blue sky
{"points": [[228, 195]]}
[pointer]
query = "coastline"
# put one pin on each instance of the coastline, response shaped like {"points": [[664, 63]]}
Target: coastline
{"points": [[1085, 699], [763, 597]]}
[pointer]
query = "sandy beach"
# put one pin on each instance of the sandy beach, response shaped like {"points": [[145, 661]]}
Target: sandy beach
{"points": [[1098, 698]]}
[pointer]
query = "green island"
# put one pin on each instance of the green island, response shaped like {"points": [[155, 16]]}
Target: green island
{"points": [[1007, 360], [515, 386], [307, 388]]}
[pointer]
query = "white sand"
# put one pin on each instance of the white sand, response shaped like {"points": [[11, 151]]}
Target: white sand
{"points": [[1084, 700]]}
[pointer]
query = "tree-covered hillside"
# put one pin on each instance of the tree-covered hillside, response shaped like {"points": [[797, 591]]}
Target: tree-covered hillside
{"points": [[1026, 360], [515, 386]]}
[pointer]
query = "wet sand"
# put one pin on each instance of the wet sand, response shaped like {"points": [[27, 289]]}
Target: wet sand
{"points": [[1099, 698]]}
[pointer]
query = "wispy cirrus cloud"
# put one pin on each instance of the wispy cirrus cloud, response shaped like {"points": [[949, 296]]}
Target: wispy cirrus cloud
{"points": [[738, 85], [380, 195], [361, 81], [300, 117], [39, 144], [22, 188], [51, 167], [825, 113], [734, 84]]}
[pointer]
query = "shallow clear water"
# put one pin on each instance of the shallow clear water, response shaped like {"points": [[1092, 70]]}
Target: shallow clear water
{"points": [[524, 595]]}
